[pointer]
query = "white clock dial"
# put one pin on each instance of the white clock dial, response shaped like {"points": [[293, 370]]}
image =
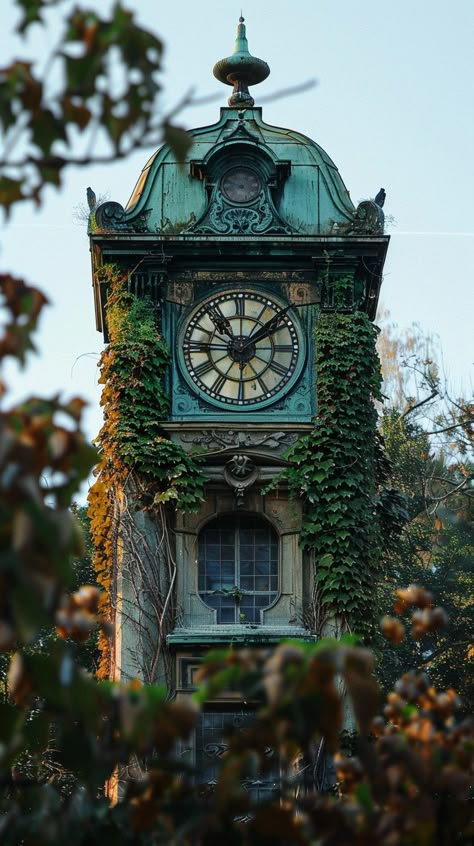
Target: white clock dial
{"points": [[242, 348]]}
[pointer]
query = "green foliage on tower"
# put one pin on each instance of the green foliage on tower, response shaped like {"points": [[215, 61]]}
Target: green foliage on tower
{"points": [[133, 368], [333, 468], [135, 454]]}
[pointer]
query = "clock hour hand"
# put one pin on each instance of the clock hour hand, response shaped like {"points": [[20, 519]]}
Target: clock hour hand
{"points": [[221, 322], [204, 346], [268, 328]]}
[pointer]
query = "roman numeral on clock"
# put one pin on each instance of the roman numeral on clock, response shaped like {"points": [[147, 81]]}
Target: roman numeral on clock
{"points": [[278, 368], [218, 384], [196, 346], [203, 368]]}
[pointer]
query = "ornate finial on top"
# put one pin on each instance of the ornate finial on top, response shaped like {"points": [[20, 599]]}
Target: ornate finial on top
{"points": [[241, 70]]}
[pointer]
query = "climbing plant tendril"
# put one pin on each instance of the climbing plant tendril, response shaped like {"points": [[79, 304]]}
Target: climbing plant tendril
{"points": [[136, 455]]}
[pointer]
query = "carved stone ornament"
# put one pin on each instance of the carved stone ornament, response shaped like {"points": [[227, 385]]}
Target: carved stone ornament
{"points": [[300, 293], [258, 219], [240, 473], [300, 396], [242, 131], [184, 403], [180, 292], [112, 217], [368, 220], [240, 466], [215, 439]]}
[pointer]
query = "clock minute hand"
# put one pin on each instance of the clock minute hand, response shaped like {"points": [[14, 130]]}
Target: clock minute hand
{"points": [[268, 328], [220, 321]]}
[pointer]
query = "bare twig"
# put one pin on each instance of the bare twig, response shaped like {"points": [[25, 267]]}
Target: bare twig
{"points": [[292, 91]]}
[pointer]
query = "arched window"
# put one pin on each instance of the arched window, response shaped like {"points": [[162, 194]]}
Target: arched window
{"points": [[238, 567]]}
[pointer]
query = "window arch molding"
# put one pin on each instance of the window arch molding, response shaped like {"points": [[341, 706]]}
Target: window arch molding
{"points": [[238, 566]]}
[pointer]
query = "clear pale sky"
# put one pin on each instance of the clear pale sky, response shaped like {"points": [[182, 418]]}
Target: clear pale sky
{"points": [[394, 107]]}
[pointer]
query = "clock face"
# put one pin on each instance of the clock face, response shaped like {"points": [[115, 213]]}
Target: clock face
{"points": [[241, 185], [242, 349]]}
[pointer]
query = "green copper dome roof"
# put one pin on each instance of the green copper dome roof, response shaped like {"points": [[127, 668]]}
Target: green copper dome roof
{"points": [[300, 183], [173, 194]]}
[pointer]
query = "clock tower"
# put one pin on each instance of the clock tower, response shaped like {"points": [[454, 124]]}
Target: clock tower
{"points": [[236, 252]]}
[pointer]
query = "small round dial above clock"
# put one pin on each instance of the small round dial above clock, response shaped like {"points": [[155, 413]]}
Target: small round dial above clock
{"points": [[242, 349], [241, 185]]}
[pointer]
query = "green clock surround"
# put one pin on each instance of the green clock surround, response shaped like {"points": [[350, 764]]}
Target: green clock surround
{"points": [[241, 350]]}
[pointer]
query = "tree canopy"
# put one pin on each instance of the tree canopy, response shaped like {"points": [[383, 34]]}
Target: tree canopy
{"points": [[429, 439], [95, 99]]}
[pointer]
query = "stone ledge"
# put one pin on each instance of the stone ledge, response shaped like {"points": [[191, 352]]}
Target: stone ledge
{"points": [[243, 634]]}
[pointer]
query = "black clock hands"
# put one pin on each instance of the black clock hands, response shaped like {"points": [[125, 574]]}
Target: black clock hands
{"points": [[240, 348], [225, 357], [220, 321], [268, 328], [204, 346]]}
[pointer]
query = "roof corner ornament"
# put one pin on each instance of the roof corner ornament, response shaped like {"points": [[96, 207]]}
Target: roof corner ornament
{"points": [[111, 216], [368, 218], [241, 70]]}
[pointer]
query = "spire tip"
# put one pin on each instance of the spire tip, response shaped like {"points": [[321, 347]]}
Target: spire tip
{"points": [[241, 70]]}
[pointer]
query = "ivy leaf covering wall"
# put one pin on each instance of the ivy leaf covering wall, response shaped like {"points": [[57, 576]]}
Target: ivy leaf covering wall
{"points": [[134, 447], [333, 468]]}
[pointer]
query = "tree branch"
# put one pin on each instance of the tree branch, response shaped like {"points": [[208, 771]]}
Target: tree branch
{"points": [[412, 408]]}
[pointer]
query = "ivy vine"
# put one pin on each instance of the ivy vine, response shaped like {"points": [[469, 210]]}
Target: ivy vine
{"points": [[333, 469], [134, 447]]}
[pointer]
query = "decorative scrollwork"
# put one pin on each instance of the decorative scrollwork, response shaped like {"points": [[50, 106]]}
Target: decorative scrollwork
{"points": [[215, 750], [112, 217], [246, 221], [258, 218], [214, 439], [368, 219]]}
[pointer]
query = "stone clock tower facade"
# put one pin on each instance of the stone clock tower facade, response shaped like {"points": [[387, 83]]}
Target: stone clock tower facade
{"points": [[239, 249]]}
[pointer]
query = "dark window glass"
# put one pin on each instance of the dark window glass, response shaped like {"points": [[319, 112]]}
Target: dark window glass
{"points": [[238, 567]]}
